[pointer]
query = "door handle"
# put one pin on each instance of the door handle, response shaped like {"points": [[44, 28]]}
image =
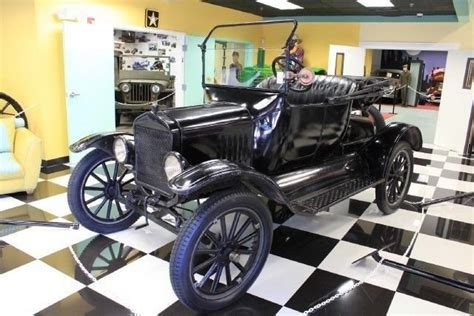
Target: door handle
{"points": [[74, 94]]}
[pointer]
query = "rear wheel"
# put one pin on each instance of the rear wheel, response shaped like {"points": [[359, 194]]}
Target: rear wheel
{"points": [[95, 190], [221, 250], [398, 173]]}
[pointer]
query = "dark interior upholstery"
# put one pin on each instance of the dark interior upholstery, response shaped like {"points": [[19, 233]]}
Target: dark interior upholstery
{"points": [[322, 88]]}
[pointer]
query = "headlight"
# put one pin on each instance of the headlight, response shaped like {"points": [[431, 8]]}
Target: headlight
{"points": [[125, 87], [155, 88], [120, 149], [173, 165]]}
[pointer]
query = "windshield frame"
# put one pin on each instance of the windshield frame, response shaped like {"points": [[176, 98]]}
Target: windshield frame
{"points": [[286, 47]]}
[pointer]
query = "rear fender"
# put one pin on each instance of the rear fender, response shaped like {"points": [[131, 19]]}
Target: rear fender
{"points": [[102, 141], [377, 151], [217, 174]]}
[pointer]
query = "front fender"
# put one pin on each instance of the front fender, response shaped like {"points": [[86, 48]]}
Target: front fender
{"points": [[102, 141], [219, 174], [377, 151]]}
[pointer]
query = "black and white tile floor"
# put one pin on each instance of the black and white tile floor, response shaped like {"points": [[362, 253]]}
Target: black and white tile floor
{"points": [[309, 260]]}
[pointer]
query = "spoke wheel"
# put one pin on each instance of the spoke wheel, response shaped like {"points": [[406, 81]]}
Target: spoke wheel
{"points": [[96, 193], [226, 251], [398, 172], [221, 250], [9, 106]]}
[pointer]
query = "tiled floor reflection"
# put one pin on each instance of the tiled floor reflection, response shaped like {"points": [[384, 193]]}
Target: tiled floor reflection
{"points": [[311, 257]]}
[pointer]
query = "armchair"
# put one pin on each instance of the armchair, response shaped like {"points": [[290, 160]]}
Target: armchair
{"points": [[20, 156]]}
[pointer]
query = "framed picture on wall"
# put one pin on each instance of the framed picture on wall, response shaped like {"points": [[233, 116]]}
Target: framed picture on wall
{"points": [[339, 71], [469, 74]]}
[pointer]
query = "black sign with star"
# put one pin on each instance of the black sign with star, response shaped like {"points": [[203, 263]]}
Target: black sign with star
{"points": [[152, 18]]}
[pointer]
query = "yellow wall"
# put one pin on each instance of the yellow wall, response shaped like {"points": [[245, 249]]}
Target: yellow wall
{"points": [[462, 33], [31, 57], [19, 63]]}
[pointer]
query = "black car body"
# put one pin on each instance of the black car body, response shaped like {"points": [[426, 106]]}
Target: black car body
{"points": [[302, 147]]}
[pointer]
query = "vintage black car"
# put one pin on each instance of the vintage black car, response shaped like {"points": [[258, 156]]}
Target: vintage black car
{"points": [[217, 173]]}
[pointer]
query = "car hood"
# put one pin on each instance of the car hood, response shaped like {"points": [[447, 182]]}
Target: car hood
{"points": [[207, 116]]}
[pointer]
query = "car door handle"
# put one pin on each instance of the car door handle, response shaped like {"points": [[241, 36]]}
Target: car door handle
{"points": [[74, 94]]}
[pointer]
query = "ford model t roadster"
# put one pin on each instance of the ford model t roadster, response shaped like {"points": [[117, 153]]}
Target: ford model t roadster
{"points": [[215, 173]]}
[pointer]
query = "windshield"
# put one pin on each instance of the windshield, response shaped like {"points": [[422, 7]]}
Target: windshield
{"points": [[242, 55]]}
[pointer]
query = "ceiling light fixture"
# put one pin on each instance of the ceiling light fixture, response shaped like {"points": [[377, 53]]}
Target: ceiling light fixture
{"points": [[280, 4], [376, 3]]}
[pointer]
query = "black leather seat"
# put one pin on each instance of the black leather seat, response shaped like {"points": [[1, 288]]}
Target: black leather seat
{"points": [[322, 88]]}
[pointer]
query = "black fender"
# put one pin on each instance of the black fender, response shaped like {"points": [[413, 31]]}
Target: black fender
{"points": [[377, 151], [102, 141], [219, 174]]}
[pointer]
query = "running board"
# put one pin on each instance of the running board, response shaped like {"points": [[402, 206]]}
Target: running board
{"points": [[332, 195]]}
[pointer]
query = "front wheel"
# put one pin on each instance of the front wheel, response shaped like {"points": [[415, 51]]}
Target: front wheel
{"points": [[392, 192], [95, 191], [221, 250]]}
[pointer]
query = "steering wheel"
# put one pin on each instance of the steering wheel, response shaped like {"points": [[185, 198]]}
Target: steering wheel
{"points": [[294, 74], [294, 65], [9, 106]]}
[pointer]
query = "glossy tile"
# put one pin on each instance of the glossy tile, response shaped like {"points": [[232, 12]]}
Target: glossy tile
{"points": [[164, 252], [12, 258], [447, 253], [7, 202], [33, 287], [43, 190], [340, 261], [453, 211], [458, 185], [23, 212], [402, 218], [57, 204], [428, 162], [301, 246], [427, 170], [460, 160], [42, 241], [429, 156], [273, 283], [436, 292], [458, 167], [365, 300], [448, 229], [146, 239], [352, 207], [458, 175], [403, 304], [247, 305], [377, 236], [324, 223], [142, 286], [86, 302], [424, 179], [99, 255], [422, 190], [442, 193]]}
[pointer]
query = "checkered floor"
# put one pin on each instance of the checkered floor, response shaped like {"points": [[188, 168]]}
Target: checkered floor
{"points": [[310, 258]]}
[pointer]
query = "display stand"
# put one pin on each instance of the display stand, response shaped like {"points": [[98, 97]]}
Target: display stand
{"points": [[15, 222]]}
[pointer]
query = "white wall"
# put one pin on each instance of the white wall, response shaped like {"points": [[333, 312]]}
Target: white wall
{"points": [[354, 60], [455, 108]]}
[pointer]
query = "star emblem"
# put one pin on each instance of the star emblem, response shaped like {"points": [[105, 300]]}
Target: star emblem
{"points": [[152, 18]]}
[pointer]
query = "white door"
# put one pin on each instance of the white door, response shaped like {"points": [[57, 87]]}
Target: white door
{"points": [[350, 58], [89, 80]]}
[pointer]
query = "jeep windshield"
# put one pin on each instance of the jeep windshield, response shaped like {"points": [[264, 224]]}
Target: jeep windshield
{"points": [[241, 55]]}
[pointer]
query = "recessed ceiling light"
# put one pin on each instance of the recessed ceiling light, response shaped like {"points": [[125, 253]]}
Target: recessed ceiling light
{"points": [[419, 15], [280, 4], [376, 3]]}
